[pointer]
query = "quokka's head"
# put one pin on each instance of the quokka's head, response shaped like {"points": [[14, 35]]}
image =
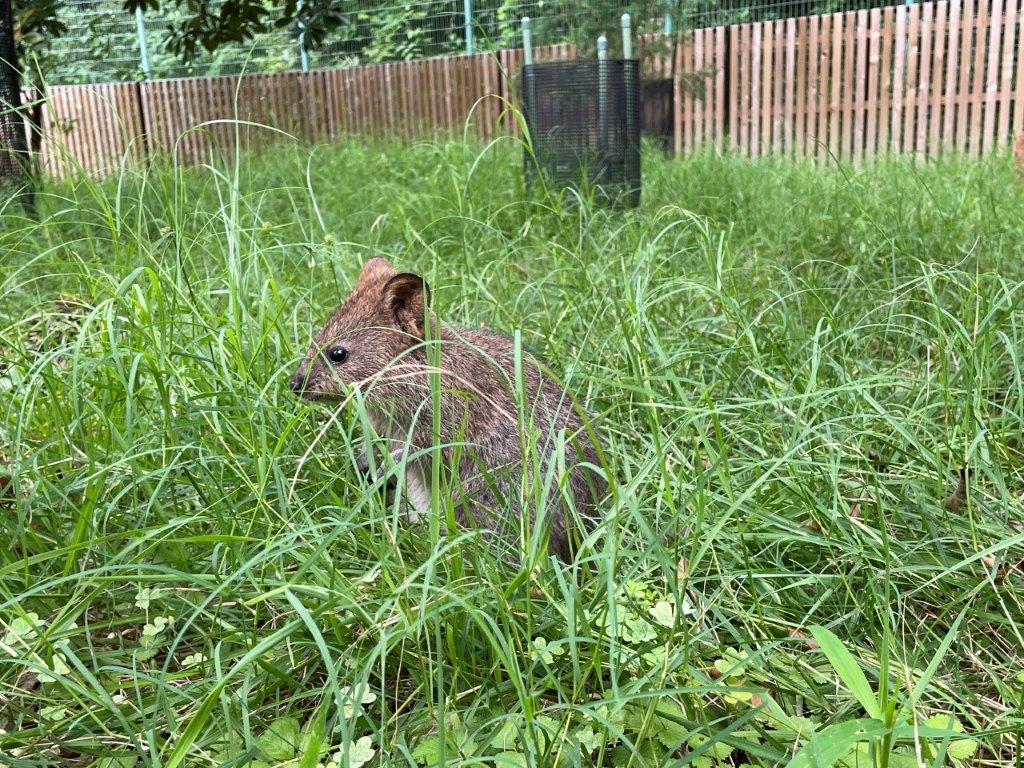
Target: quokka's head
{"points": [[363, 343]]}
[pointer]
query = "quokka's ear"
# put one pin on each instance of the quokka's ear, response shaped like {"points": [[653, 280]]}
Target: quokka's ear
{"points": [[377, 268], [406, 297]]}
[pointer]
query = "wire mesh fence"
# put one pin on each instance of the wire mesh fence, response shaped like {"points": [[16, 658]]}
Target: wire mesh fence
{"points": [[104, 43], [13, 149]]}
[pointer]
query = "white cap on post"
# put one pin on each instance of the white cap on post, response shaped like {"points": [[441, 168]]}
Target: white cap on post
{"points": [[627, 37], [602, 48], [527, 42]]}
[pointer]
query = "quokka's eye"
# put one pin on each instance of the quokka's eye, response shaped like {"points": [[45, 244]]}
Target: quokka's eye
{"points": [[337, 355]]}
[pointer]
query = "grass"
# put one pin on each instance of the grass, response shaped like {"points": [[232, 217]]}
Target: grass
{"points": [[808, 381]]}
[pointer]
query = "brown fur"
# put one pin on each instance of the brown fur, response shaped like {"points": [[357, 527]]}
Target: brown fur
{"points": [[383, 327]]}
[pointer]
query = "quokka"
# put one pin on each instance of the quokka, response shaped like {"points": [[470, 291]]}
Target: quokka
{"points": [[379, 341]]}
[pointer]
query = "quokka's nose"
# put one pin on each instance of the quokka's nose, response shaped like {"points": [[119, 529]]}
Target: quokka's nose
{"points": [[298, 382]]}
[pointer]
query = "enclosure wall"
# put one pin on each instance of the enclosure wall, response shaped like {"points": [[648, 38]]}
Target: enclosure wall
{"points": [[926, 78]]}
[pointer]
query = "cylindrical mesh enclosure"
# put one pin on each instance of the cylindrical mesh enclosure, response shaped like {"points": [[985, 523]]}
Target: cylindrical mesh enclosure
{"points": [[584, 123], [13, 147]]}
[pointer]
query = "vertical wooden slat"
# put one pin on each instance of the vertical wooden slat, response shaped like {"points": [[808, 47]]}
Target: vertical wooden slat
{"points": [[898, 77], [1010, 22], [824, 87], [400, 99], [353, 102], [362, 102], [938, 68], [846, 99], [711, 102], [992, 77], [800, 107], [978, 71], [1018, 99], [67, 133], [689, 100], [81, 111], [756, 74], [813, 85], [333, 93], [887, 79], [778, 84], [696, 135], [910, 91], [332, 128], [491, 87], [101, 127], [744, 98], [437, 110], [874, 63], [376, 93], [720, 97], [733, 33], [835, 103], [860, 85], [963, 91], [91, 133], [677, 103], [449, 114], [78, 124], [767, 85], [949, 106], [924, 77], [789, 99]]}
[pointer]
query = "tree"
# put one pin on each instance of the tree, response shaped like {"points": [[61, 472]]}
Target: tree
{"points": [[201, 24]]}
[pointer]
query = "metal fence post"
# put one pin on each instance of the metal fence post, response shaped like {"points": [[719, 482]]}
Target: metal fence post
{"points": [[140, 28], [303, 54], [602, 92], [467, 17]]}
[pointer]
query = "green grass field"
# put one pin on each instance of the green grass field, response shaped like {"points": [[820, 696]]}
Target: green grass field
{"points": [[808, 381]]}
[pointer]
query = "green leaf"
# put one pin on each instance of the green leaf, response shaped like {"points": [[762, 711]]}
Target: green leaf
{"points": [[281, 739], [117, 761], [962, 749], [830, 744], [510, 759], [849, 671], [666, 729], [719, 750], [354, 698], [428, 751], [732, 664], [541, 650], [589, 739], [506, 736], [638, 630], [860, 757], [959, 749], [664, 613], [313, 744], [361, 752], [22, 629]]}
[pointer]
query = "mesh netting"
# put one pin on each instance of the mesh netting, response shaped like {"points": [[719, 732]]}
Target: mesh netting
{"points": [[584, 122], [13, 150]]}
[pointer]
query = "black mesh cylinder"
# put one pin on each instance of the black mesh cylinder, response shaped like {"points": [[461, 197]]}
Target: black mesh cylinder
{"points": [[13, 146], [584, 123]]}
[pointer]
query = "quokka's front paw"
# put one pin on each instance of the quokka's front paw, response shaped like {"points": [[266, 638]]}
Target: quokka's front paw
{"points": [[375, 473]]}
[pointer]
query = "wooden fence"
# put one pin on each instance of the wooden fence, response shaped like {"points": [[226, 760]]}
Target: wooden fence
{"points": [[925, 78]]}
